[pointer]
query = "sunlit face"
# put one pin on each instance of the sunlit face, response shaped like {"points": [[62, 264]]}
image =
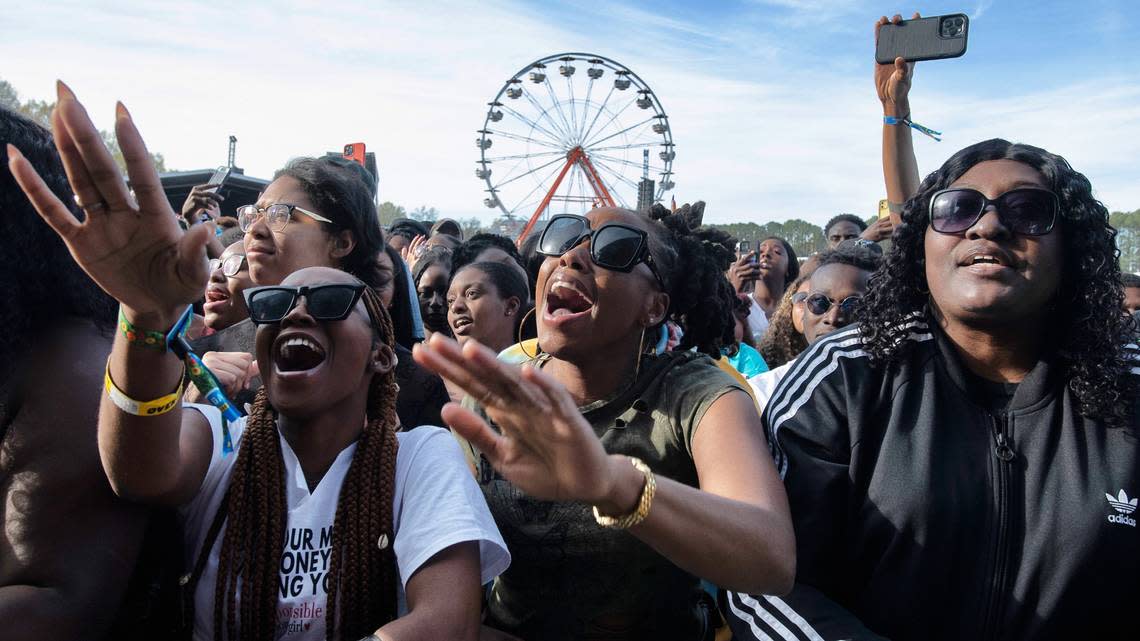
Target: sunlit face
{"points": [[273, 255], [583, 308], [309, 366], [477, 310], [989, 275], [225, 304]]}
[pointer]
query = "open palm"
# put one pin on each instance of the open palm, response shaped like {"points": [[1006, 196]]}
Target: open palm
{"points": [[130, 243], [544, 445]]}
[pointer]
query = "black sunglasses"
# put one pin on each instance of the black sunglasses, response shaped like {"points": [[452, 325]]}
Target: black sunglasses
{"points": [[332, 302], [1028, 211], [614, 246], [818, 304]]}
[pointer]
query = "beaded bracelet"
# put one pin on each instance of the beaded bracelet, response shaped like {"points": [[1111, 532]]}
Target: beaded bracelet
{"points": [[142, 337]]}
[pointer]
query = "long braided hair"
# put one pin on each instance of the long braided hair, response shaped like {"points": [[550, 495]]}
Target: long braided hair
{"points": [[362, 568]]}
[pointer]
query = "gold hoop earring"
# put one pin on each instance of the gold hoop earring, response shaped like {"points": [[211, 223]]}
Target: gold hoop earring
{"points": [[522, 322]]}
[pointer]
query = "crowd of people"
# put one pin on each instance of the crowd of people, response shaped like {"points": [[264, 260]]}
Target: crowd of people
{"points": [[622, 427]]}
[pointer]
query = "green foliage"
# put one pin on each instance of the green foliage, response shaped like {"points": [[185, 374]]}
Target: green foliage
{"points": [[425, 214], [389, 212], [40, 111], [470, 226], [1127, 224], [804, 237]]}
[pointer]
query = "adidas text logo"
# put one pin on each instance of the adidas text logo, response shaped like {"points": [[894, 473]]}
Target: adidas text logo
{"points": [[1123, 506]]}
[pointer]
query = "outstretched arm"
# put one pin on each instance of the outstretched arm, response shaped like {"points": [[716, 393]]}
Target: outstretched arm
{"points": [[740, 511], [131, 245], [900, 168]]}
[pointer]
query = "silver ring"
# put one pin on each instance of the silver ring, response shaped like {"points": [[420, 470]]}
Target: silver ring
{"points": [[93, 208]]}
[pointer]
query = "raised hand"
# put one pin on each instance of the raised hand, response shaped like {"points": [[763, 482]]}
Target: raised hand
{"points": [[892, 81], [743, 271], [879, 230], [234, 371], [203, 199], [130, 244], [545, 446]]}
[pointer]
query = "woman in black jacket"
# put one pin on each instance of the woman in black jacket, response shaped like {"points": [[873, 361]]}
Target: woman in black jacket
{"points": [[964, 462]]}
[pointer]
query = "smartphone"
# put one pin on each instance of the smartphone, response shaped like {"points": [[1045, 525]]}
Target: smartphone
{"points": [[884, 209], [355, 152], [934, 38], [219, 178]]}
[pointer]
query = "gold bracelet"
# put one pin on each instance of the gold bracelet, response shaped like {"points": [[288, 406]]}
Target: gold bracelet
{"points": [[129, 405], [643, 504]]}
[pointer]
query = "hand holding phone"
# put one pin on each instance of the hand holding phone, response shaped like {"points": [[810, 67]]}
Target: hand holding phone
{"points": [[934, 38]]}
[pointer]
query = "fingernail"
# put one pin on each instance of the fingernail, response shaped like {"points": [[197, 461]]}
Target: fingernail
{"points": [[63, 91], [13, 152], [121, 111]]}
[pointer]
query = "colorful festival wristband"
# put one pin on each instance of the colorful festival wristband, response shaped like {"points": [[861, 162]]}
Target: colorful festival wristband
{"points": [[143, 337], [203, 378], [157, 407], [892, 120]]}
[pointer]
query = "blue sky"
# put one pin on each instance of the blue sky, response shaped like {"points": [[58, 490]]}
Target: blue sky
{"points": [[770, 101]]}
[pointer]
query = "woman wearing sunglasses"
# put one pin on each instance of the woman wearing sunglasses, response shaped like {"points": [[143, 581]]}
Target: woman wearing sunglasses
{"points": [[620, 476], [311, 514], [961, 463]]}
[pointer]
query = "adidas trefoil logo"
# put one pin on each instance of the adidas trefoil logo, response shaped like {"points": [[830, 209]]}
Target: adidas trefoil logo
{"points": [[1124, 506]]}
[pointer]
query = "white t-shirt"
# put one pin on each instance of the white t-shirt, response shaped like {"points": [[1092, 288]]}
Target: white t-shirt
{"points": [[436, 504], [757, 320], [764, 384]]}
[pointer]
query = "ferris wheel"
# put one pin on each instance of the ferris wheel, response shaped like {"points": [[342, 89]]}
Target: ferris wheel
{"points": [[570, 132]]}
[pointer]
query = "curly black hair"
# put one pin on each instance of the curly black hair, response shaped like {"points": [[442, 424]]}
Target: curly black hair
{"points": [[851, 218], [42, 283], [692, 260], [782, 343], [1088, 326]]}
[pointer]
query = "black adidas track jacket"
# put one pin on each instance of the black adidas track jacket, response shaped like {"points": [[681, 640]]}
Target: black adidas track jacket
{"points": [[920, 515]]}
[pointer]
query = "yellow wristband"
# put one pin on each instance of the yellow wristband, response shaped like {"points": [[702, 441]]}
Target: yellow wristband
{"points": [[643, 504], [142, 408]]}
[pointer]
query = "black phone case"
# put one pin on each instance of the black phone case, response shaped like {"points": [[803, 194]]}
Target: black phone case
{"points": [[916, 40]]}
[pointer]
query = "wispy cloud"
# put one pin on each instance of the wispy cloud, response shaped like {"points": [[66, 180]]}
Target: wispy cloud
{"points": [[771, 120], [981, 8]]}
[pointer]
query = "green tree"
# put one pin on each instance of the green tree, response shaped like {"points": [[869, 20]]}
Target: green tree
{"points": [[40, 111], [389, 212], [1127, 224], [470, 226], [425, 214]]}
